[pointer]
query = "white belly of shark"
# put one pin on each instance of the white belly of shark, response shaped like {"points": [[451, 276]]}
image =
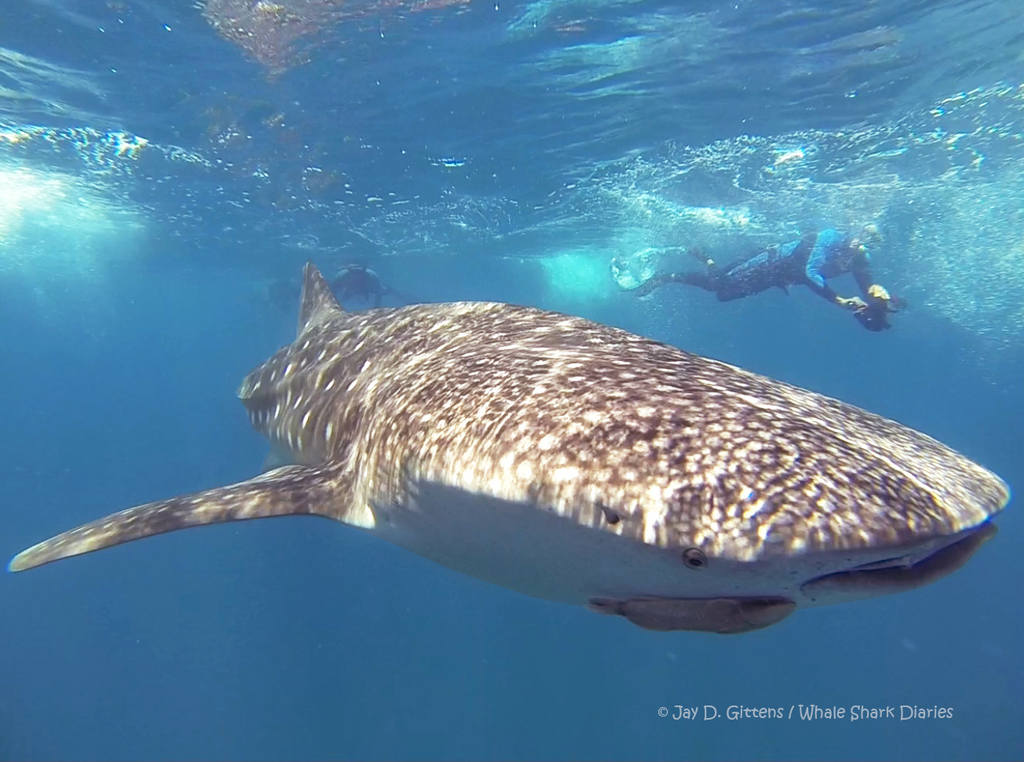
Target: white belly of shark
{"points": [[580, 463]]}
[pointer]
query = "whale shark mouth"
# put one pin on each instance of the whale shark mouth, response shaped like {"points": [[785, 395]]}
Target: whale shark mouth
{"points": [[728, 615], [894, 575]]}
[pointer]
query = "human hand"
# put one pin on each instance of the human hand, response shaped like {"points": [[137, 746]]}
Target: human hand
{"points": [[853, 303], [879, 293]]}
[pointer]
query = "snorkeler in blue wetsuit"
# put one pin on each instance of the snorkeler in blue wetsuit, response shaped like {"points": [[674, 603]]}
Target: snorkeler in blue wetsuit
{"points": [[810, 262]]}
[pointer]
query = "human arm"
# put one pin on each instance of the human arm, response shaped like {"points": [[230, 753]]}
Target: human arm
{"points": [[817, 283], [827, 245], [873, 292], [861, 270]]}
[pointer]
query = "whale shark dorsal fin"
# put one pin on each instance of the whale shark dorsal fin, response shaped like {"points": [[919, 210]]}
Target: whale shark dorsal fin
{"points": [[291, 491], [317, 303]]}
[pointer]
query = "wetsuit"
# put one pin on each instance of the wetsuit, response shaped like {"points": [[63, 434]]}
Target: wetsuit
{"points": [[358, 281], [809, 262]]}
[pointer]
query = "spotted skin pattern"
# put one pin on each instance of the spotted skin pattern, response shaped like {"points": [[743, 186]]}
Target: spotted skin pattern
{"points": [[588, 421], [604, 429]]}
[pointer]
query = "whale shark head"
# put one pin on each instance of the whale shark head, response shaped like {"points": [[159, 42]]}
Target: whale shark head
{"points": [[580, 463]]}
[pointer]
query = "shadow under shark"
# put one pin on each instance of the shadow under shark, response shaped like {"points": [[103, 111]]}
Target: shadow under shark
{"points": [[580, 463]]}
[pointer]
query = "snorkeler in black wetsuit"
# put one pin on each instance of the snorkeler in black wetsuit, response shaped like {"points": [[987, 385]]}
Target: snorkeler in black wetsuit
{"points": [[352, 281], [359, 281], [806, 262]]}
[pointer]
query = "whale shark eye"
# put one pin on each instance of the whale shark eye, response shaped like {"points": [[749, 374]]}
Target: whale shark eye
{"points": [[609, 515], [695, 558]]}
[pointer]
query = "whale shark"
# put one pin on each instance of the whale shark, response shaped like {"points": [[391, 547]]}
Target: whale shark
{"points": [[577, 462]]}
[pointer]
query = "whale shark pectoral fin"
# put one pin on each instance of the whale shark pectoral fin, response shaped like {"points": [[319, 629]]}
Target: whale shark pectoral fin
{"points": [[290, 491]]}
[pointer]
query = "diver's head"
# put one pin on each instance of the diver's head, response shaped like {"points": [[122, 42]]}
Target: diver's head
{"points": [[873, 317], [870, 235]]}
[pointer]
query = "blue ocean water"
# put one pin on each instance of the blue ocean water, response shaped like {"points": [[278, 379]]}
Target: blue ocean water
{"points": [[166, 168]]}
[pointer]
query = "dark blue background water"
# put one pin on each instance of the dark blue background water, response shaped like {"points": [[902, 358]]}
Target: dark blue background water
{"points": [[162, 165]]}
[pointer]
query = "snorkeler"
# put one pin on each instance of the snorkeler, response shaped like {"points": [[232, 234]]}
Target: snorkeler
{"points": [[807, 262], [355, 280], [352, 282]]}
